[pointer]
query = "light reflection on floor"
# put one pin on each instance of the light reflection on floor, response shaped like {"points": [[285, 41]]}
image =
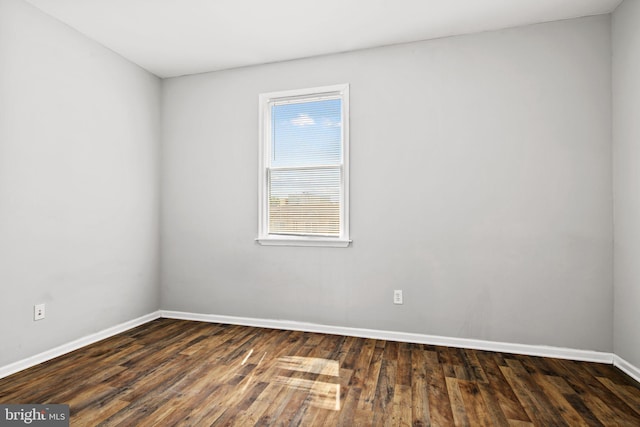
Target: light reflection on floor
{"points": [[322, 394], [309, 364]]}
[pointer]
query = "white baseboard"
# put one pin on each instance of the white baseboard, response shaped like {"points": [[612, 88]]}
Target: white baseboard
{"points": [[530, 350], [626, 367], [526, 349], [7, 370]]}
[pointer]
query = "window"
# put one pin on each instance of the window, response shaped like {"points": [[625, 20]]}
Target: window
{"points": [[304, 167]]}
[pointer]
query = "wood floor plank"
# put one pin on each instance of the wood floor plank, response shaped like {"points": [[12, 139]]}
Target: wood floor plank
{"points": [[545, 410], [628, 394], [568, 412], [363, 362], [475, 406], [440, 408], [384, 395], [184, 373], [606, 414], [538, 409], [401, 415], [404, 365], [370, 384], [353, 353], [493, 407], [518, 423], [475, 367], [205, 413], [277, 402], [91, 416], [346, 415], [500, 388], [460, 416], [419, 389], [597, 399]]}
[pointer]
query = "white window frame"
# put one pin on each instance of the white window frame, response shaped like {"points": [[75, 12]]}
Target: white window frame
{"points": [[266, 100]]}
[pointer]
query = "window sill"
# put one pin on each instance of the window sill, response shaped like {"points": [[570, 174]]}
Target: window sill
{"points": [[303, 241]]}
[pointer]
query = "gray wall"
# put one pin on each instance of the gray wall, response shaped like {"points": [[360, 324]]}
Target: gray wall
{"points": [[626, 156], [79, 194], [481, 186]]}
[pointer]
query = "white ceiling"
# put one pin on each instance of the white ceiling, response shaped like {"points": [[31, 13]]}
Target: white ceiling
{"points": [[177, 37]]}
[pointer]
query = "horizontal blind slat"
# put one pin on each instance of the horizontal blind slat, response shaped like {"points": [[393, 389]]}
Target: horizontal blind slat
{"points": [[305, 201]]}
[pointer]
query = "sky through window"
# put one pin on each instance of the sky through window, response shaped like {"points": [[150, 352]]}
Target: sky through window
{"points": [[307, 133]]}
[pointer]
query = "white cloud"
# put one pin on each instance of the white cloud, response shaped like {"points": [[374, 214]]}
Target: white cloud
{"points": [[331, 124], [303, 120]]}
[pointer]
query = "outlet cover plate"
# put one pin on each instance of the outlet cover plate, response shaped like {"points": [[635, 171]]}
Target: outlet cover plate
{"points": [[38, 312], [397, 296]]}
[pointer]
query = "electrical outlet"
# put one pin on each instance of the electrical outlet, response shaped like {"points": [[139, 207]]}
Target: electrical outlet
{"points": [[397, 296], [38, 312]]}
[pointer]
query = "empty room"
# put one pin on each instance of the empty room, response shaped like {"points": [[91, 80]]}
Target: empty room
{"points": [[353, 213]]}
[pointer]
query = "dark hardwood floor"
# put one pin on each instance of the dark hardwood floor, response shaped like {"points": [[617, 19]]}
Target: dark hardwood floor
{"points": [[173, 372]]}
